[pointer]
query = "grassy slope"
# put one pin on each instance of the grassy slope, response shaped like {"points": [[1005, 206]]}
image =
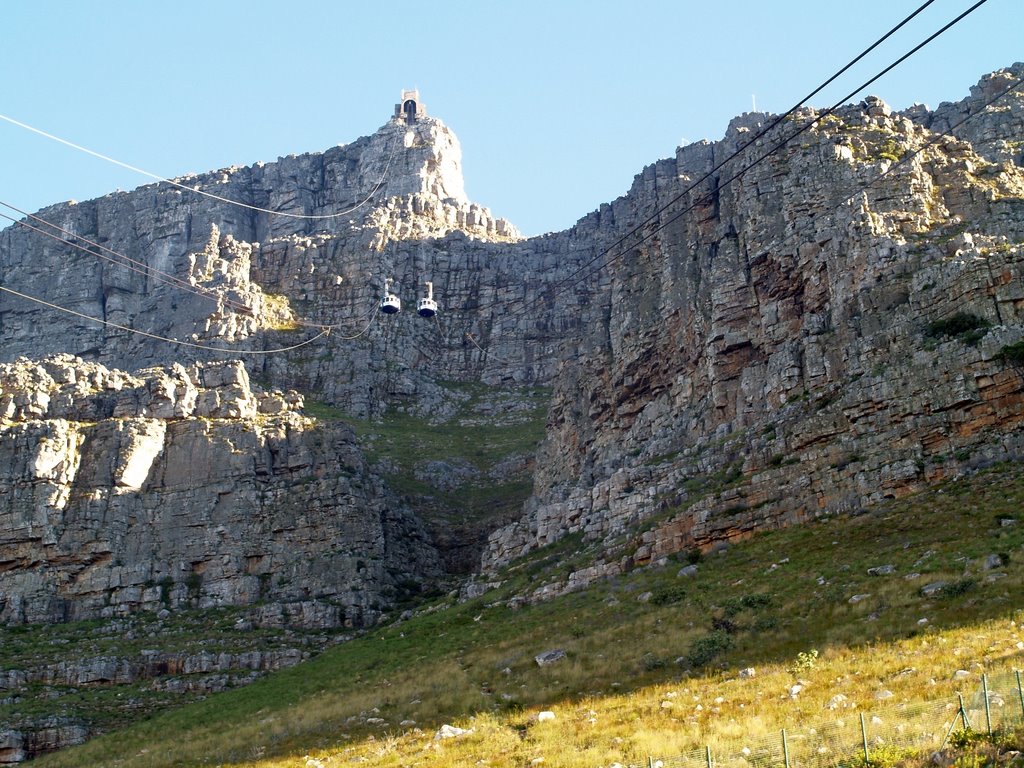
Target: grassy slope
{"points": [[397, 443], [760, 603], [459, 518], [185, 632]]}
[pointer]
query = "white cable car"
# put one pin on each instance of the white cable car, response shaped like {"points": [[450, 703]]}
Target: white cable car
{"points": [[390, 304], [427, 307]]}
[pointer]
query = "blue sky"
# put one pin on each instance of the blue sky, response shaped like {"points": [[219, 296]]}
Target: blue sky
{"points": [[557, 104]]}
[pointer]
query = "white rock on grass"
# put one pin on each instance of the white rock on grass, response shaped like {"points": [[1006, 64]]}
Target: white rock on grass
{"points": [[451, 732]]}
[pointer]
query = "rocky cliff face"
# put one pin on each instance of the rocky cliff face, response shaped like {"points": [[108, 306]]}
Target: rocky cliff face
{"points": [[132, 481], [178, 486], [836, 326], [774, 351], [822, 333], [176, 264]]}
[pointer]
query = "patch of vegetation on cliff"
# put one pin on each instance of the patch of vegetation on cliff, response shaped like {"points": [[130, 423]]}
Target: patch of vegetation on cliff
{"points": [[966, 327], [102, 647], [835, 607], [465, 475]]}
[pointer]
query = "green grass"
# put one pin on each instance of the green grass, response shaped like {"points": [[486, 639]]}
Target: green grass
{"points": [[106, 706], [765, 603], [400, 443]]}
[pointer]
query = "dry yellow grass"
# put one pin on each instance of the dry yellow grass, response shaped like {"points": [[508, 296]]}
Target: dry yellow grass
{"points": [[630, 688]]}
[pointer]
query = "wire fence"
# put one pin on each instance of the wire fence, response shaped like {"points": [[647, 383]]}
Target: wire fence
{"points": [[853, 739]]}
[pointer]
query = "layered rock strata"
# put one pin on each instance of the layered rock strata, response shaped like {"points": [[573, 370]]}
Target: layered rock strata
{"points": [[763, 355], [181, 486], [825, 331]]}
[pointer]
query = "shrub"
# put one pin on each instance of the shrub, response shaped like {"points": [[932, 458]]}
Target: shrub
{"points": [[667, 595], [651, 662], [805, 660], [890, 150], [1013, 353], [709, 647], [962, 324], [735, 605], [727, 626], [957, 588]]}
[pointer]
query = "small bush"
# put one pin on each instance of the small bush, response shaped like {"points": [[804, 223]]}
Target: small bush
{"points": [[651, 662], [890, 150], [884, 756], [805, 660], [725, 625], [967, 737], [962, 324], [1013, 353], [735, 605], [957, 588], [708, 648], [667, 595]]}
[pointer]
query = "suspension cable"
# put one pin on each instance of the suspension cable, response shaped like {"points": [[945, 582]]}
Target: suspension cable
{"points": [[197, 190], [323, 332], [569, 280]]}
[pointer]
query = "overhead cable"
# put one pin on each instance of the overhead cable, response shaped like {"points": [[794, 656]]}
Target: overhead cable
{"points": [[141, 267], [147, 334], [197, 190], [569, 280]]}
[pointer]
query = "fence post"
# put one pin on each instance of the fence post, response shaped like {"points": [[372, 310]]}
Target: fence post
{"points": [[864, 739], [708, 754], [1020, 693], [988, 708], [785, 748], [961, 714]]}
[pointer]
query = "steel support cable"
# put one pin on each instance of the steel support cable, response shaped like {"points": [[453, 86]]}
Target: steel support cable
{"points": [[142, 268], [569, 280], [27, 297], [128, 263], [903, 161], [807, 126], [186, 187], [372, 316], [762, 132]]}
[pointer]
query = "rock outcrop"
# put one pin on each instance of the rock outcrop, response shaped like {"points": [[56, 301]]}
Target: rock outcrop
{"points": [[179, 486], [826, 331], [767, 348]]}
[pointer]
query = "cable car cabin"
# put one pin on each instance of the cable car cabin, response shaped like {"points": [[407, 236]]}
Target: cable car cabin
{"points": [[390, 304], [427, 307]]}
